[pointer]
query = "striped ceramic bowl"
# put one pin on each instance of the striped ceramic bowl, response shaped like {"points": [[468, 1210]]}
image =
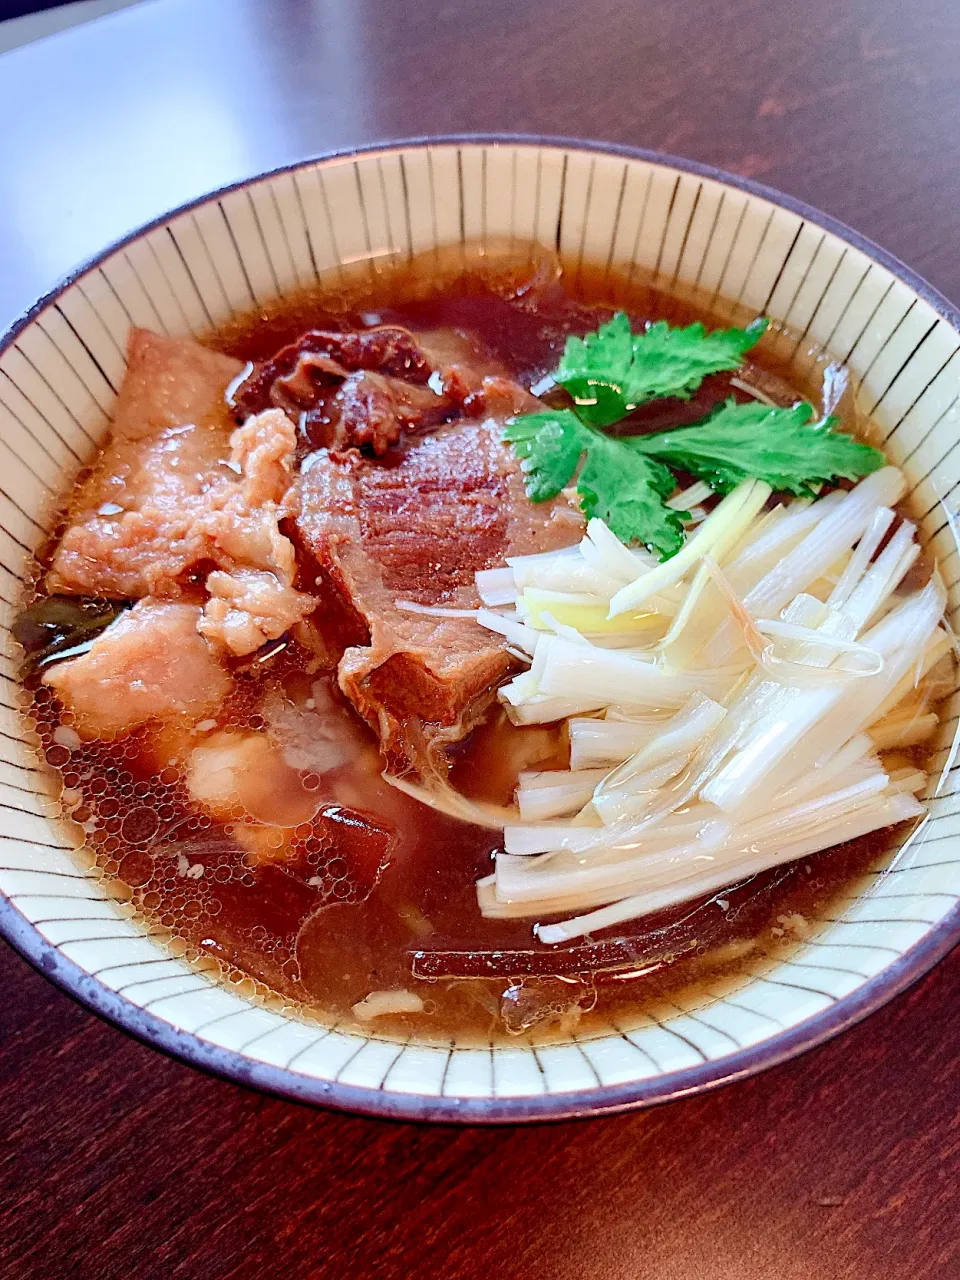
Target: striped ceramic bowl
{"points": [[687, 227]]}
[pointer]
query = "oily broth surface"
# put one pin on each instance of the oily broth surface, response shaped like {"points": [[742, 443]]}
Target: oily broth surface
{"points": [[318, 915]]}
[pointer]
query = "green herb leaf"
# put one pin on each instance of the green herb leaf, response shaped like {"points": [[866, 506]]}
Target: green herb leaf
{"points": [[56, 627], [549, 446], [629, 498], [619, 485], [612, 371], [754, 441], [625, 481]]}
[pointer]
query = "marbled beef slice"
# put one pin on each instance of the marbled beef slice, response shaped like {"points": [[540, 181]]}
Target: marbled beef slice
{"points": [[415, 527]]}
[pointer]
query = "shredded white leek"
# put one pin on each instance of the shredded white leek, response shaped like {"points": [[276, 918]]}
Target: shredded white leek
{"points": [[693, 496], [745, 736], [496, 586], [718, 533], [432, 610], [899, 808], [746, 388]]}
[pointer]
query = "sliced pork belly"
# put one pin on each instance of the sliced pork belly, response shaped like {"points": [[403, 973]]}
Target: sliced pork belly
{"points": [[249, 607], [246, 772], [131, 523], [415, 527], [151, 664], [179, 489]]}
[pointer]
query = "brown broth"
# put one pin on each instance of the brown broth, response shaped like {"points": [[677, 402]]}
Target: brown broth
{"points": [[313, 917]]}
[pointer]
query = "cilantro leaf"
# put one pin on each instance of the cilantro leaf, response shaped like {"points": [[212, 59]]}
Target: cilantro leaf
{"points": [[609, 372], [755, 441], [624, 481], [549, 446], [622, 487], [630, 499]]}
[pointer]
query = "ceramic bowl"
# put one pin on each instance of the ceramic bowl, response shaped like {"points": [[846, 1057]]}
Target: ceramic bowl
{"points": [[687, 228]]}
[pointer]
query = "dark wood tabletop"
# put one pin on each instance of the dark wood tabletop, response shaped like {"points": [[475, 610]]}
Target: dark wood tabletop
{"points": [[115, 1162]]}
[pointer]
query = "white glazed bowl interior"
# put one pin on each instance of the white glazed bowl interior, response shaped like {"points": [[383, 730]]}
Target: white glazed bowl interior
{"points": [[686, 227]]}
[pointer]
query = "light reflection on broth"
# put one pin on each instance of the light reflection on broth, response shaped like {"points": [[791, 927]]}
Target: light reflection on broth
{"points": [[303, 878]]}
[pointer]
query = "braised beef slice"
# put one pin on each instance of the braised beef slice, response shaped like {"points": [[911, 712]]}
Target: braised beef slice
{"points": [[375, 410], [415, 527], [368, 388], [290, 378]]}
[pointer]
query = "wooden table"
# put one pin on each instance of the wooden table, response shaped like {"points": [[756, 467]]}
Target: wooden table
{"points": [[118, 1163]]}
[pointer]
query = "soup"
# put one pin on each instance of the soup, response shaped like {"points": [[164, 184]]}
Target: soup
{"points": [[401, 666]]}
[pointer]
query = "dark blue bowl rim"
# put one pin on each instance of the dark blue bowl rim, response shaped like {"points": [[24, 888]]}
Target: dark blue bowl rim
{"points": [[151, 1030]]}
